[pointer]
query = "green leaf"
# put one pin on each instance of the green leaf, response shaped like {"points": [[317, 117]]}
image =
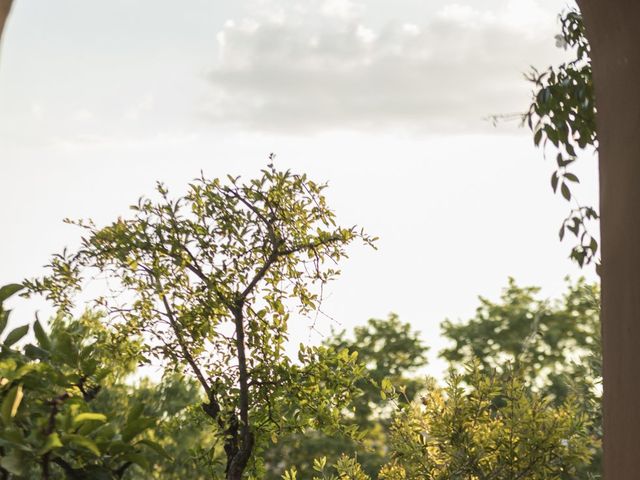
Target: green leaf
{"points": [[11, 403], [82, 441], [53, 441], [4, 319], [87, 427], [13, 436], [552, 134], [138, 459], [575, 227], [113, 447], [156, 447], [566, 161], [89, 365], [13, 463], [571, 177], [9, 290], [89, 417], [15, 335], [34, 352], [554, 181], [537, 137], [565, 191], [136, 427], [65, 346], [26, 369], [41, 336], [135, 412]]}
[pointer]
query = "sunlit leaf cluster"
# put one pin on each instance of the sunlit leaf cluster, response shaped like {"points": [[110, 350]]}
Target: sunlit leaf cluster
{"points": [[484, 426], [391, 353]]}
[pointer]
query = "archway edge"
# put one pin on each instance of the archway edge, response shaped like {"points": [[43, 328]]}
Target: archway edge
{"points": [[5, 8]]}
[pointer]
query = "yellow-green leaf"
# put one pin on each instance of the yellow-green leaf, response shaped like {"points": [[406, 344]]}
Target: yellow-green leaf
{"points": [[89, 416], [11, 403], [82, 441], [53, 441]]}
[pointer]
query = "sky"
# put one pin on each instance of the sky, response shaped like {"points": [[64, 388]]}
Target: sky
{"points": [[387, 101]]}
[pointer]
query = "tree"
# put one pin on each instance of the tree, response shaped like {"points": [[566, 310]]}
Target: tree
{"points": [[209, 281], [549, 340], [555, 345], [390, 351]]}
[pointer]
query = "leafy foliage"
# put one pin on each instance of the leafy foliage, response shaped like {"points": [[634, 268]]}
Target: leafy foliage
{"points": [[555, 345], [52, 423], [205, 285], [562, 113], [514, 411], [209, 281], [547, 339], [390, 352], [183, 432], [345, 468], [480, 426], [494, 428], [464, 427]]}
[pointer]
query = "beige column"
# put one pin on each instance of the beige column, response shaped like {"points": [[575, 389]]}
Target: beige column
{"points": [[613, 28]]}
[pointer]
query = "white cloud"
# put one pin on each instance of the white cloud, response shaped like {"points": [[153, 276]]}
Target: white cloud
{"points": [[322, 67], [37, 111], [340, 8], [145, 104], [83, 115]]}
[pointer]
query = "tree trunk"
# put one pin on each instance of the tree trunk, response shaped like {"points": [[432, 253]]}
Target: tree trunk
{"points": [[5, 7], [613, 29]]}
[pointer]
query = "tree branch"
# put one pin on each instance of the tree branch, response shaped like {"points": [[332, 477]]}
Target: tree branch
{"points": [[245, 447], [310, 246], [214, 407], [271, 259], [184, 348]]}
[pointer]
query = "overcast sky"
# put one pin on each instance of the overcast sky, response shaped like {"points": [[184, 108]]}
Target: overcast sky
{"points": [[385, 100]]}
